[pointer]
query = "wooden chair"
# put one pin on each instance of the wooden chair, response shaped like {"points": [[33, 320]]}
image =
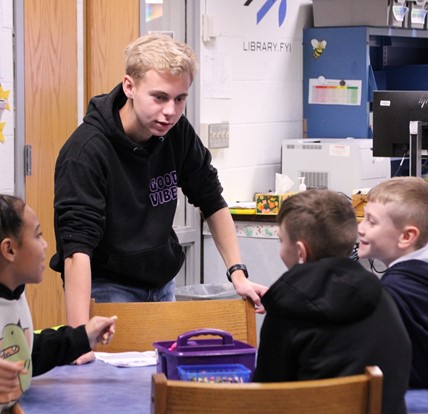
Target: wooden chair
{"points": [[357, 394], [16, 409], [140, 324]]}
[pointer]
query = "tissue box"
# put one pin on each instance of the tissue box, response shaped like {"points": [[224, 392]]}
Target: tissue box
{"points": [[334, 13], [269, 203]]}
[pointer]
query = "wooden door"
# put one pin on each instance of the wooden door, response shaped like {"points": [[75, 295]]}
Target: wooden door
{"points": [[50, 53], [110, 26], [51, 81]]}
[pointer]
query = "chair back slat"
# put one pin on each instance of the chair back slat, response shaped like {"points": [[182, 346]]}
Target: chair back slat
{"points": [[356, 394], [140, 324]]}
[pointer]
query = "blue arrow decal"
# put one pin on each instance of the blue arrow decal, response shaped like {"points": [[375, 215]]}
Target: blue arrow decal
{"points": [[282, 12], [264, 9]]}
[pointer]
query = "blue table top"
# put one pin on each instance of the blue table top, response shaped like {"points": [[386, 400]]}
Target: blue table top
{"points": [[99, 387], [92, 388], [417, 401]]}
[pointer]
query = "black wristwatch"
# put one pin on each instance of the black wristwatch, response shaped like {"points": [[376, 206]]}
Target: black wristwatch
{"points": [[233, 268]]}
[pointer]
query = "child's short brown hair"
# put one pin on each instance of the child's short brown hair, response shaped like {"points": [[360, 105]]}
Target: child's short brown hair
{"points": [[323, 220]]}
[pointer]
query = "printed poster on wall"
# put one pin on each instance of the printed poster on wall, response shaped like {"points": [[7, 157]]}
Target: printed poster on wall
{"points": [[334, 91]]}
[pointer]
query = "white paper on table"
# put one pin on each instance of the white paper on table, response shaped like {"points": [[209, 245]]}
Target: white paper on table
{"points": [[127, 359]]}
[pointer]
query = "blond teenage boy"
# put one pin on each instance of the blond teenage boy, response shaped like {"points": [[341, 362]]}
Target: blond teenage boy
{"points": [[116, 185], [395, 231]]}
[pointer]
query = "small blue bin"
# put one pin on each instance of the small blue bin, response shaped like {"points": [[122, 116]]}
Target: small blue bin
{"points": [[227, 373]]}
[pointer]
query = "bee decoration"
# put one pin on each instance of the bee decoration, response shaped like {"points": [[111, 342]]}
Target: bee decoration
{"points": [[318, 47]]}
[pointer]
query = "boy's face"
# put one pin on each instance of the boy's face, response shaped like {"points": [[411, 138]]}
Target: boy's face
{"points": [[378, 236], [31, 252], [289, 251], [158, 101]]}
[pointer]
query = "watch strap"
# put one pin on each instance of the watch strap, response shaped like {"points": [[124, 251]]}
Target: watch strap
{"points": [[234, 268]]}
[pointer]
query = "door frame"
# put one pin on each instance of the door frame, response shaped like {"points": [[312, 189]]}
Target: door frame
{"points": [[18, 24]]}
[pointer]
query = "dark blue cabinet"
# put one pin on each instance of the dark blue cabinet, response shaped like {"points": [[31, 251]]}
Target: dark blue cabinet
{"points": [[343, 65]]}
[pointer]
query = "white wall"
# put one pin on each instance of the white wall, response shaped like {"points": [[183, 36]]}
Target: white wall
{"points": [[6, 82], [258, 92]]}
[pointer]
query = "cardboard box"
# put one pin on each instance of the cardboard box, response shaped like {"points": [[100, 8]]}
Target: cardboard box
{"points": [[270, 203], [332, 13], [359, 202]]}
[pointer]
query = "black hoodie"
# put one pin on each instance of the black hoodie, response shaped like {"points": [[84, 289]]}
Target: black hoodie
{"points": [[332, 318], [115, 200], [407, 283]]}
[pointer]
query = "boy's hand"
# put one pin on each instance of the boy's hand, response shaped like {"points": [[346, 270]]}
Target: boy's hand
{"points": [[9, 375], [249, 289], [100, 330], [85, 358]]}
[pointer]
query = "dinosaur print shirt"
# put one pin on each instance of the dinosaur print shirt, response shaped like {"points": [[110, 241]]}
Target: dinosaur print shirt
{"points": [[16, 338], [40, 352]]}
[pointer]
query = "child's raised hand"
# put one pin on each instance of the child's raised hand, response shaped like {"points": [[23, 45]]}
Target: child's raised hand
{"points": [[100, 329]]}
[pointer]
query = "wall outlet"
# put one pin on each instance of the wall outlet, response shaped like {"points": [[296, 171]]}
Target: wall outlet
{"points": [[218, 135]]}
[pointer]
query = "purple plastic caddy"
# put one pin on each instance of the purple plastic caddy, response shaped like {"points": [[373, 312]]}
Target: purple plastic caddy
{"points": [[203, 352]]}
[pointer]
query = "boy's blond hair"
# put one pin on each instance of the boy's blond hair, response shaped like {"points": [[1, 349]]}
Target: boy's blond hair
{"points": [[410, 198], [161, 53]]}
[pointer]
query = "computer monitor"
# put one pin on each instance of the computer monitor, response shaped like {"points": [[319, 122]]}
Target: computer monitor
{"points": [[392, 113]]}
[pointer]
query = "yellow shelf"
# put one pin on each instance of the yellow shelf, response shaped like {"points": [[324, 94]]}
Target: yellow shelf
{"points": [[242, 211]]}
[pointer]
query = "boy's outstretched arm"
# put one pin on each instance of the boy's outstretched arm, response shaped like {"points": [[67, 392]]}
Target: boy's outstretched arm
{"points": [[62, 346]]}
